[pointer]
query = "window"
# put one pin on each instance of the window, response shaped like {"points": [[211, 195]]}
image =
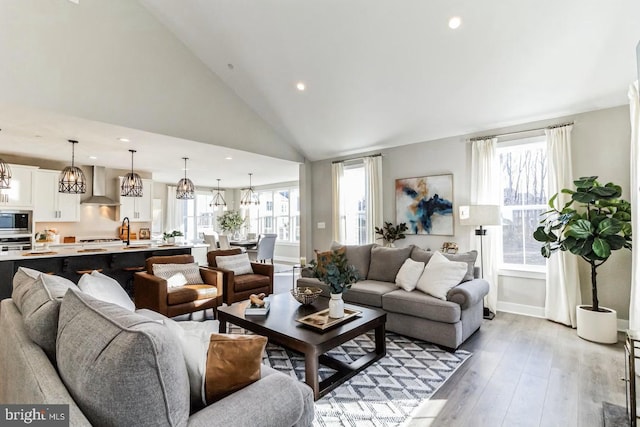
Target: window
{"points": [[278, 212], [524, 197], [197, 216], [354, 214]]}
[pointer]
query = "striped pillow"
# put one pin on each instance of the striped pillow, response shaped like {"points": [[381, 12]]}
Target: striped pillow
{"points": [[239, 264], [191, 272]]}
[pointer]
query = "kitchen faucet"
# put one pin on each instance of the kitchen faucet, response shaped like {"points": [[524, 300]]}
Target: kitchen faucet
{"points": [[126, 219]]}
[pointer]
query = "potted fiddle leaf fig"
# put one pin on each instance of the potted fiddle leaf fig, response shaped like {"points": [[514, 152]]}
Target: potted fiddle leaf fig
{"points": [[592, 225]]}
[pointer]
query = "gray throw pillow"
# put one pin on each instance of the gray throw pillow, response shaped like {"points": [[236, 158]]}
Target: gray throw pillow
{"points": [[39, 302], [121, 368], [386, 262], [359, 256]]}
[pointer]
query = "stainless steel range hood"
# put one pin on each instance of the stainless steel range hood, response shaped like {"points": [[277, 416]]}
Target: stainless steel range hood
{"points": [[99, 197]]}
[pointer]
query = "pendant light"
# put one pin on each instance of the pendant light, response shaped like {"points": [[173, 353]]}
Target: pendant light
{"points": [[249, 197], [185, 190], [5, 175], [131, 183], [72, 180], [218, 200]]}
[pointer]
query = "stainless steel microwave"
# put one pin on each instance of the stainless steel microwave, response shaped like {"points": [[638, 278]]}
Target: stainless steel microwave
{"points": [[15, 222]]}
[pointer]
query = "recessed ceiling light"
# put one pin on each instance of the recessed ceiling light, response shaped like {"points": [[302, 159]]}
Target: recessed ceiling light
{"points": [[454, 22], [300, 86], [124, 140], [92, 157], [228, 158]]}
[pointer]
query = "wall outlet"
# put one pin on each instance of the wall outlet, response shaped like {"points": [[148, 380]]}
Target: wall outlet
{"points": [[321, 225]]}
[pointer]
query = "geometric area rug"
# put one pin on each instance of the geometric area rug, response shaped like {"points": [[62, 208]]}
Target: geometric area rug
{"points": [[384, 394]]}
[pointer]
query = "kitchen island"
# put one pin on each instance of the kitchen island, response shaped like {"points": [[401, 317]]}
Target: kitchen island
{"points": [[72, 261]]}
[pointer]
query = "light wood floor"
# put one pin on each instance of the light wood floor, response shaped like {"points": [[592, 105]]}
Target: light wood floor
{"points": [[527, 371]]}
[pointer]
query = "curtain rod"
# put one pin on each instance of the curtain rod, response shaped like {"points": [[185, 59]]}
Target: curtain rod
{"points": [[356, 158], [478, 138]]}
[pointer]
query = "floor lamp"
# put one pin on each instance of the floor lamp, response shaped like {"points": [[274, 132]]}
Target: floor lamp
{"points": [[481, 216]]}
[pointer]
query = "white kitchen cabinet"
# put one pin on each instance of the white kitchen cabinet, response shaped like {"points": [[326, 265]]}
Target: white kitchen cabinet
{"points": [[137, 209], [53, 206], [20, 195]]}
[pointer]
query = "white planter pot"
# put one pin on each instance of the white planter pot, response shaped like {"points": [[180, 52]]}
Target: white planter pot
{"points": [[336, 306], [597, 326]]}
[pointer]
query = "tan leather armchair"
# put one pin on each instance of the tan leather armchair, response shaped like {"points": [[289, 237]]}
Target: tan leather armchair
{"points": [[238, 288], [151, 291]]}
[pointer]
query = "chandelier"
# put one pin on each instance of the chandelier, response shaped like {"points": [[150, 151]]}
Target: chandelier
{"points": [[249, 197], [185, 190], [131, 183], [72, 180], [218, 200]]}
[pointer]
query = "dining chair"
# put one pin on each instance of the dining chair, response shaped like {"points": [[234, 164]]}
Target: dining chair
{"points": [[223, 240], [266, 247], [212, 241]]}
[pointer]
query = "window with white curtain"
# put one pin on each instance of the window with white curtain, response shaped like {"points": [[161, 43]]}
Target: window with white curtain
{"points": [[523, 182], [353, 212], [278, 212], [197, 216]]}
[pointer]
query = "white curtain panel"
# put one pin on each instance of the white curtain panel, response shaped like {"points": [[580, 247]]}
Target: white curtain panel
{"points": [[373, 193], [562, 282], [634, 305], [337, 173], [485, 190]]}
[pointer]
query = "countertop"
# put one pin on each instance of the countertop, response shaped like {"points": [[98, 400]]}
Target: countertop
{"points": [[79, 249]]}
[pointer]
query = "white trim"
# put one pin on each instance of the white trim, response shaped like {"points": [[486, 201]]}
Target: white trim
{"points": [[528, 274], [525, 310]]}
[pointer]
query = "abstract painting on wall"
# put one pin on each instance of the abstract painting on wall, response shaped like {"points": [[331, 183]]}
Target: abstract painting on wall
{"points": [[425, 204]]}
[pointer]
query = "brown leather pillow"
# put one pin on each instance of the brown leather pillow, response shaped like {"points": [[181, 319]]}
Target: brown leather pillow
{"points": [[233, 362], [324, 258]]}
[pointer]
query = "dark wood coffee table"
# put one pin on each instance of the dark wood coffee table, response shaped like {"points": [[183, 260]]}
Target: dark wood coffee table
{"points": [[280, 327]]}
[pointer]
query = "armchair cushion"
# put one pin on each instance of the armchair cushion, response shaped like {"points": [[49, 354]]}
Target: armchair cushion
{"points": [[247, 282], [190, 293], [239, 264], [211, 255], [191, 273]]}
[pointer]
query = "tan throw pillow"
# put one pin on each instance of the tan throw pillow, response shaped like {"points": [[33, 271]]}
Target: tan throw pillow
{"points": [[233, 362], [239, 264], [190, 271], [324, 258]]}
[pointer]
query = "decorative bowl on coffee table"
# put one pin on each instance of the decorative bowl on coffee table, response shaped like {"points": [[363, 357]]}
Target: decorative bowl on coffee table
{"points": [[306, 295]]}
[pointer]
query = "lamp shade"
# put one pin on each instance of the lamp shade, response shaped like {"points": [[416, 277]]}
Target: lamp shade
{"points": [[480, 215]]}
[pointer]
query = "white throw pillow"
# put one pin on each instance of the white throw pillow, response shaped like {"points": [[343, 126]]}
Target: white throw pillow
{"points": [[177, 280], [440, 275], [191, 272], [409, 274], [105, 289], [239, 264]]}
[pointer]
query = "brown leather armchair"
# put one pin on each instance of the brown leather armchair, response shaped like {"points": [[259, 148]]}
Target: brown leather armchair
{"points": [[238, 288], [151, 291]]}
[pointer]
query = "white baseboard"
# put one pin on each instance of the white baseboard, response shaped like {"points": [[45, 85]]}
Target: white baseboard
{"points": [[525, 310], [534, 311]]}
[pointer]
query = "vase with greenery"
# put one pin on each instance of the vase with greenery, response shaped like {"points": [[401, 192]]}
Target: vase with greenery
{"points": [[170, 237], [336, 272], [390, 233], [231, 221]]}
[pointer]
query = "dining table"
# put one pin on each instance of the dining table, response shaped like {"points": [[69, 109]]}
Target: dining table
{"points": [[247, 244]]}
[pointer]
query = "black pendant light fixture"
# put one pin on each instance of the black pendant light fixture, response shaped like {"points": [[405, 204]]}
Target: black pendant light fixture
{"points": [[185, 190], [131, 183], [72, 180], [249, 197], [218, 200], [5, 175]]}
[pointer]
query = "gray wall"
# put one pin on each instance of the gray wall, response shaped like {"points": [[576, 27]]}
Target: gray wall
{"points": [[600, 147]]}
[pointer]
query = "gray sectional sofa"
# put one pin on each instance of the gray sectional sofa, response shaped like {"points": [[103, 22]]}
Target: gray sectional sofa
{"points": [[115, 367], [415, 314]]}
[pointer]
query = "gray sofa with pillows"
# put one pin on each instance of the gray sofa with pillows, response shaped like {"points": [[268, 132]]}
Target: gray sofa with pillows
{"points": [[116, 367], [447, 320]]}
